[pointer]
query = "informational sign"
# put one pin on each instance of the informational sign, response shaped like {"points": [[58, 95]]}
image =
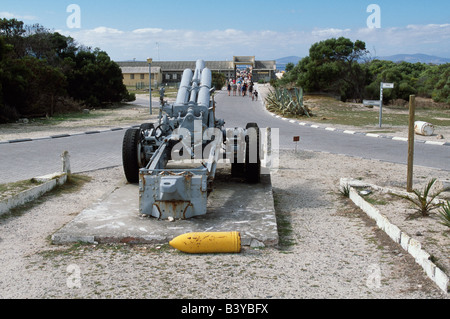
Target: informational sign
{"points": [[372, 102], [383, 86]]}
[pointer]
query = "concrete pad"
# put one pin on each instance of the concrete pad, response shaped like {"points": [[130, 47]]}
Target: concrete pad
{"points": [[232, 206]]}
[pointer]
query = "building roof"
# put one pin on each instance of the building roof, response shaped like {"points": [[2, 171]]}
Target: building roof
{"points": [[177, 66], [183, 65], [266, 65], [139, 69], [249, 60]]}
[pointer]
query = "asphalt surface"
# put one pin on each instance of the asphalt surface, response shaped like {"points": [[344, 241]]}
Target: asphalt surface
{"points": [[238, 111], [97, 150], [25, 160]]}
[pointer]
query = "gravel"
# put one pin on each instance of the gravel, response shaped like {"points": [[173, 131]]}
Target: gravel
{"points": [[328, 247]]}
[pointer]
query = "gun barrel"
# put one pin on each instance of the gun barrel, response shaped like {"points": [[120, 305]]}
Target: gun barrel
{"points": [[183, 92], [204, 95]]}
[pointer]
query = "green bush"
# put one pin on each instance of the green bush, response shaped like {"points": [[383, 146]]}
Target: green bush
{"points": [[444, 214], [40, 68], [129, 97], [341, 67]]}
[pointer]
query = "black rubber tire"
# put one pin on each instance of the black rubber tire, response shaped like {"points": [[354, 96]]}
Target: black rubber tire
{"points": [[252, 169], [147, 126], [237, 168], [129, 155]]}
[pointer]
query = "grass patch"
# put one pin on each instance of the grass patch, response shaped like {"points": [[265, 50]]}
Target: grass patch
{"points": [[170, 91], [74, 183], [285, 239], [12, 189], [71, 117], [284, 226], [329, 110], [374, 200]]}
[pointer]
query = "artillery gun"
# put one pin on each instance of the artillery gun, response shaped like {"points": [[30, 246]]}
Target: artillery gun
{"points": [[188, 134]]}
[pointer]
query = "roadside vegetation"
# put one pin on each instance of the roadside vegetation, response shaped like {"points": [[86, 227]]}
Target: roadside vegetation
{"points": [[444, 214], [344, 69], [43, 73], [424, 200], [339, 74], [12, 189]]}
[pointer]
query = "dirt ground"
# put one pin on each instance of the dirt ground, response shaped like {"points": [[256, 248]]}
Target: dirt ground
{"points": [[328, 247]]}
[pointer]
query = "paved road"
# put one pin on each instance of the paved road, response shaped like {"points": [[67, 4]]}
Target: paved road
{"points": [[237, 111], [20, 161], [25, 160]]}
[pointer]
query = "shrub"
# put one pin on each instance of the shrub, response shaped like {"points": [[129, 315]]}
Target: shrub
{"points": [[424, 201], [444, 214]]}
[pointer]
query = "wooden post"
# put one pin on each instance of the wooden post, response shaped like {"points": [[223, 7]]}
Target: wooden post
{"points": [[412, 110]]}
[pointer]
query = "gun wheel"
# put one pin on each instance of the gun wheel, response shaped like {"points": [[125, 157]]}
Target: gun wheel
{"points": [[130, 151], [252, 154]]}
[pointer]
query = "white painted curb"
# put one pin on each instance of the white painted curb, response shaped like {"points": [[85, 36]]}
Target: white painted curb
{"points": [[50, 182], [412, 246]]}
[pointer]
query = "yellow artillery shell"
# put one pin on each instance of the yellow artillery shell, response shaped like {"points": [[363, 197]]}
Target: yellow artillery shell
{"points": [[206, 243]]}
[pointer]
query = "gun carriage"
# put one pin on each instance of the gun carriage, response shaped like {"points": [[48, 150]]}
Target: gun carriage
{"points": [[189, 134]]}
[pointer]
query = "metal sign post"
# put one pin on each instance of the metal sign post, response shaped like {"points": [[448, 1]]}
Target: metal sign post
{"points": [[296, 140], [383, 86], [149, 61], [412, 111]]}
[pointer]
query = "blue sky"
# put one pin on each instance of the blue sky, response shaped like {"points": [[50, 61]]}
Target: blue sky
{"points": [[217, 30]]}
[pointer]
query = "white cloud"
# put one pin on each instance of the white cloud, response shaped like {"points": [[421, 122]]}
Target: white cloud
{"points": [[429, 39], [9, 15], [329, 33], [266, 44], [105, 30], [148, 30]]}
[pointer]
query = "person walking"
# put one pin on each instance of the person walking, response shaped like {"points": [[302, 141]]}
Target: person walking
{"points": [[229, 89], [255, 96], [250, 90], [234, 88]]}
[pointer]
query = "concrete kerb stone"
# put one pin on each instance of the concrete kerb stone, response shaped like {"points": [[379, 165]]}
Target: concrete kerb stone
{"points": [[64, 135], [49, 182], [410, 245], [350, 132], [27, 196]]}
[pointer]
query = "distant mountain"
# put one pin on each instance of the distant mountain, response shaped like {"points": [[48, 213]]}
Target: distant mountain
{"points": [[411, 58], [414, 58], [281, 63]]}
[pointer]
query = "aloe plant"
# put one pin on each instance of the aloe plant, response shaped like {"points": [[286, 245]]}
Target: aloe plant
{"points": [[424, 200], [287, 102], [345, 190]]}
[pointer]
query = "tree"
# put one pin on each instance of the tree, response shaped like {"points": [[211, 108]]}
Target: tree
{"points": [[338, 60], [441, 92], [95, 79], [333, 67], [289, 66], [12, 30], [218, 80], [39, 68], [46, 84]]}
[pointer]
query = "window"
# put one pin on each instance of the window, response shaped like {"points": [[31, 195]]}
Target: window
{"points": [[131, 76], [167, 76], [142, 76], [175, 76]]}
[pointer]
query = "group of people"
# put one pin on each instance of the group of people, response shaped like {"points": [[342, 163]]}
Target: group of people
{"points": [[241, 87]]}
